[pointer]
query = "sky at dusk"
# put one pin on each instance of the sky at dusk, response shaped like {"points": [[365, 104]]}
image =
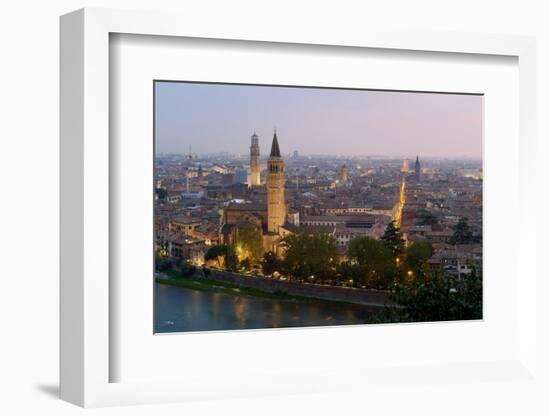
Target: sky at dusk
{"points": [[219, 117]]}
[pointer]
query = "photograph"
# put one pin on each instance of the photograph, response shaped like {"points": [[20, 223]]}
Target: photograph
{"points": [[281, 206]]}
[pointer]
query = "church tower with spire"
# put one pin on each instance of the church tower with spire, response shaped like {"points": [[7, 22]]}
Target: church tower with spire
{"points": [[276, 207], [417, 170], [254, 161]]}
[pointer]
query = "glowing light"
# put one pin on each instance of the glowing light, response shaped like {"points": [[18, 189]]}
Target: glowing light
{"points": [[397, 217], [241, 252]]}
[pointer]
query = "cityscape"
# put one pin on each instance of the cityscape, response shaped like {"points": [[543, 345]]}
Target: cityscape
{"points": [[264, 235]]}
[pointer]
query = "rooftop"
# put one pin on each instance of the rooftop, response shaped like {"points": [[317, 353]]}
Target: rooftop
{"points": [[251, 206], [275, 151]]}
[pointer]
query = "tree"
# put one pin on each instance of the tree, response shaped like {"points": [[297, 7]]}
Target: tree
{"points": [[161, 193], [163, 264], [311, 255], [418, 254], [425, 217], [216, 253], [444, 298], [372, 263], [186, 268], [223, 255], [245, 264], [162, 249], [271, 263], [368, 252], [393, 239], [348, 270], [248, 244], [231, 259], [462, 233]]}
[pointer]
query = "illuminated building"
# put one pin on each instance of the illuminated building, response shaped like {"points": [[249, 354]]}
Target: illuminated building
{"points": [[254, 161], [405, 167], [276, 207], [344, 173]]}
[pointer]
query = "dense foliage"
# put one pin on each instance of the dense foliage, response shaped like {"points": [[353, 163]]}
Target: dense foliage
{"points": [[368, 252], [462, 233], [223, 256], [271, 263], [161, 193], [425, 217], [393, 239], [310, 256], [370, 264], [443, 298], [162, 264], [418, 254], [186, 268], [248, 245]]}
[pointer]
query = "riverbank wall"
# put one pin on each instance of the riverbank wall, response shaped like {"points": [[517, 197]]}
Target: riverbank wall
{"points": [[333, 293]]}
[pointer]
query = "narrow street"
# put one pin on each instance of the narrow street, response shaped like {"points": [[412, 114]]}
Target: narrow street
{"points": [[399, 211]]}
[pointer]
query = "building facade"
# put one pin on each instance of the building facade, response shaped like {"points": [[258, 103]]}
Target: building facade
{"points": [[241, 175]]}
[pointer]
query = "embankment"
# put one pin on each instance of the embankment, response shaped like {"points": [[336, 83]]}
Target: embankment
{"points": [[333, 293]]}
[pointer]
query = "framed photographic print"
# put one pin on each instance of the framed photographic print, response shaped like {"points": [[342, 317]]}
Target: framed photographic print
{"points": [[268, 213], [251, 234]]}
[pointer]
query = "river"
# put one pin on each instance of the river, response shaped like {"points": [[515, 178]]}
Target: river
{"points": [[181, 310]]}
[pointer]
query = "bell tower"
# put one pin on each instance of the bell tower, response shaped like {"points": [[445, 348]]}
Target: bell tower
{"points": [[254, 161], [344, 173], [276, 207]]}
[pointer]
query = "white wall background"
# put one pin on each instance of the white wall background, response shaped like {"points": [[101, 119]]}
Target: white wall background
{"points": [[29, 206]]}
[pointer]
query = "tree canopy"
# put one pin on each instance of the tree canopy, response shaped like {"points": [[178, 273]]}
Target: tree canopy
{"points": [[310, 255], [425, 217], [368, 252], [161, 193], [271, 263], [248, 244], [444, 298], [370, 263], [223, 255], [418, 254], [462, 233], [393, 239]]}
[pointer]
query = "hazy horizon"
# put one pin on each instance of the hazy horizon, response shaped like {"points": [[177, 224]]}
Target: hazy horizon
{"points": [[215, 118], [265, 156]]}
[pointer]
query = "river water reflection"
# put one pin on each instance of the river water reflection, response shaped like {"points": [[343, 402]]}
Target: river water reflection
{"points": [[181, 309]]}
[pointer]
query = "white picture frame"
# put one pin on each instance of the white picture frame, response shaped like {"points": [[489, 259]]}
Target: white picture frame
{"points": [[85, 212]]}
